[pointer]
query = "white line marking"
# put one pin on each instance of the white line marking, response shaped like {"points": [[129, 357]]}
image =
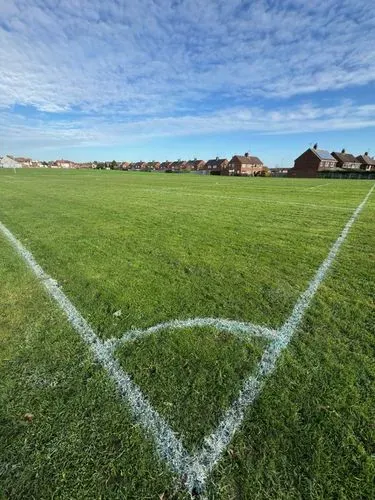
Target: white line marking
{"points": [[317, 186], [168, 445], [237, 328], [194, 469], [246, 198]]}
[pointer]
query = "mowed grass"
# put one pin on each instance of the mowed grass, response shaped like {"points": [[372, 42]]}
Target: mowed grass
{"points": [[191, 373], [160, 247]]}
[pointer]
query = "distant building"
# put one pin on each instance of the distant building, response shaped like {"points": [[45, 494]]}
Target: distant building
{"points": [[215, 166], [64, 164], [178, 165], [153, 165], [164, 165], [195, 164], [367, 163], [244, 166], [25, 162], [312, 161], [9, 162], [139, 165], [346, 160]]}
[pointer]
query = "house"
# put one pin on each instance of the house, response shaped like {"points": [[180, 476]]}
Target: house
{"points": [[312, 161], [244, 165], [124, 165], [178, 165], [346, 160], [64, 164], [196, 164], [367, 163], [9, 162], [164, 165], [139, 165], [25, 162], [215, 166], [153, 165]]}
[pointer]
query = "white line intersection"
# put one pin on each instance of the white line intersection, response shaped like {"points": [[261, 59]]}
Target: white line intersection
{"points": [[194, 469]]}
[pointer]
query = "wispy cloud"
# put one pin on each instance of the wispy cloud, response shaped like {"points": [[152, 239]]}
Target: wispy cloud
{"points": [[169, 67], [157, 55], [100, 131]]}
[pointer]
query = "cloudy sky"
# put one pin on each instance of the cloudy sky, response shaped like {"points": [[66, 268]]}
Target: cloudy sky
{"points": [[167, 79]]}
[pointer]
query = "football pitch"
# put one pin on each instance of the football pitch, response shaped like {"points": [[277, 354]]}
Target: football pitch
{"points": [[168, 336]]}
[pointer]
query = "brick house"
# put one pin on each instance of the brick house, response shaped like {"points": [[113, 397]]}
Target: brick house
{"points": [[312, 161], [139, 165], [367, 163], [25, 162], [177, 165], [196, 164], [215, 166], [164, 165], [244, 165], [153, 165], [346, 160], [64, 164]]}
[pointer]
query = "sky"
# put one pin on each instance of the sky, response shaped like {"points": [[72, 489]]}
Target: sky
{"points": [[166, 79]]}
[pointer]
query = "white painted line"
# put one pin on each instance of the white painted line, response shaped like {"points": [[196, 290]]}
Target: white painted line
{"points": [[221, 437], [194, 469], [168, 445], [251, 198], [240, 329], [317, 186]]}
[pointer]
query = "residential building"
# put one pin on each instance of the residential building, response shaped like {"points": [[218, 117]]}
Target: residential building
{"points": [[195, 164], [215, 166], [346, 160], [164, 165], [178, 165], [244, 165], [25, 162], [312, 161], [9, 162], [64, 164], [153, 165], [139, 165], [367, 163]]}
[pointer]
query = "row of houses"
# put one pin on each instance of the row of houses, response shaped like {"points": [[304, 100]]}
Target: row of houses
{"points": [[10, 161], [239, 165], [245, 165], [315, 161]]}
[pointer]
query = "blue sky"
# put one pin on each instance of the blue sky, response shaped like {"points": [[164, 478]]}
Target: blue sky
{"points": [[168, 79]]}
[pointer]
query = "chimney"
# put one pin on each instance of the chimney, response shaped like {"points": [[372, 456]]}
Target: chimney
{"points": [[366, 154], [316, 145], [343, 150], [217, 158], [246, 154]]}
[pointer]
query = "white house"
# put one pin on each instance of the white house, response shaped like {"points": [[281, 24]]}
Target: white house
{"points": [[9, 162]]}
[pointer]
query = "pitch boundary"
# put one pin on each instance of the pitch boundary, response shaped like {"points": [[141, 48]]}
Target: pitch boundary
{"points": [[193, 468]]}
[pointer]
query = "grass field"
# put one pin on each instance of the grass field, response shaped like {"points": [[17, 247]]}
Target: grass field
{"points": [[159, 247]]}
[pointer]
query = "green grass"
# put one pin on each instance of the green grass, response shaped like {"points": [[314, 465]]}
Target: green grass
{"points": [[189, 373], [160, 247]]}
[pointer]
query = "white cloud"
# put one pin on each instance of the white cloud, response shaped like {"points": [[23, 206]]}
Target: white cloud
{"points": [[96, 131], [158, 57]]}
